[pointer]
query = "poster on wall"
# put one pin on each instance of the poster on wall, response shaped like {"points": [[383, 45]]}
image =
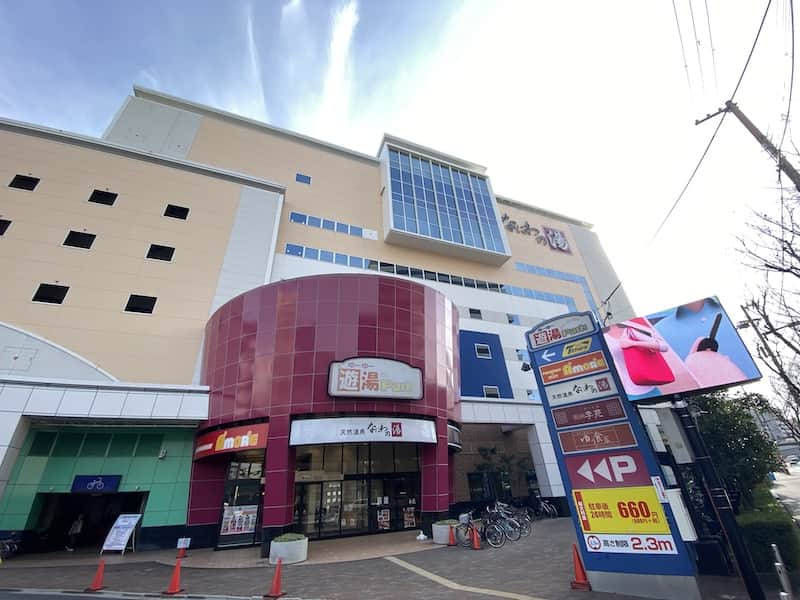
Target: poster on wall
{"points": [[690, 348], [384, 519], [409, 517], [239, 519]]}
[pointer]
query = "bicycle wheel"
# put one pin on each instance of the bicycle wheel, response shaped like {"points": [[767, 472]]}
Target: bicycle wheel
{"points": [[552, 513], [494, 535], [462, 532], [525, 527], [512, 529]]}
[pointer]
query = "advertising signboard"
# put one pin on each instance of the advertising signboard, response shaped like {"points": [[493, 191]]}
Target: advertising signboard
{"points": [[584, 413], [690, 348], [375, 378], [625, 529], [233, 439], [336, 430], [585, 388], [120, 533], [95, 484]]}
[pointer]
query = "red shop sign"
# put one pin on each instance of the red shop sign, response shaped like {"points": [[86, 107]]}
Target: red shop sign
{"points": [[233, 439], [605, 437], [608, 469], [588, 412]]}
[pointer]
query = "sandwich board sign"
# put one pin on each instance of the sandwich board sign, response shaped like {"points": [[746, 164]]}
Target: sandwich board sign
{"points": [[627, 533], [120, 533]]}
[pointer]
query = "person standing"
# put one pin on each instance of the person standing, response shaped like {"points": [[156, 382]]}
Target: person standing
{"points": [[74, 531]]}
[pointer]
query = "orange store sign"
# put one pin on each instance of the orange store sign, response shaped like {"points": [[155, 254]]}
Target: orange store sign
{"points": [[233, 439], [573, 367]]}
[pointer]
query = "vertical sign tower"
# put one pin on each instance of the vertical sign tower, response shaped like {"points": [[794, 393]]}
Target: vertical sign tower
{"points": [[626, 531]]}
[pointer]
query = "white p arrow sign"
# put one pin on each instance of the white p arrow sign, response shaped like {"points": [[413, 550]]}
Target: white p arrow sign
{"points": [[613, 468], [622, 465], [548, 355]]}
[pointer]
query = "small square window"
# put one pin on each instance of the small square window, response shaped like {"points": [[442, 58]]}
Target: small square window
{"points": [[51, 294], [357, 261], [430, 275], [416, 273], [328, 224], [296, 217], [326, 256], [300, 178], [475, 313], [314, 221], [387, 267], [101, 197], [512, 319], [456, 280], [141, 304], [79, 239], [401, 270], [294, 250], [24, 182], [481, 285], [176, 212], [342, 228], [4, 225], [340, 259], [443, 277], [372, 265], [491, 391], [312, 253], [494, 287], [159, 252], [356, 231], [522, 355], [470, 283], [483, 351]]}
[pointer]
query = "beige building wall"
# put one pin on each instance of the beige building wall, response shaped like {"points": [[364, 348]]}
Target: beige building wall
{"points": [[346, 187], [160, 347]]}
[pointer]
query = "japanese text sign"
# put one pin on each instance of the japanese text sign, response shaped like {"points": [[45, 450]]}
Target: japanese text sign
{"points": [[374, 378], [588, 412], [585, 388], [617, 510], [604, 437], [573, 367]]}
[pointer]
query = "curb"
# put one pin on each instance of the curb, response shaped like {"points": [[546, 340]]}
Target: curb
{"points": [[120, 594]]}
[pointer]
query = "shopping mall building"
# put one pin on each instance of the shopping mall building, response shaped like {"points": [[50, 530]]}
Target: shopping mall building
{"points": [[236, 330]]}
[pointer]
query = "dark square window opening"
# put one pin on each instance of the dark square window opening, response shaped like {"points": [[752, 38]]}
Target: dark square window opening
{"points": [[475, 313], [4, 225], [141, 304], [483, 351], [491, 391], [79, 239], [51, 294], [300, 178], [387, 267], [101, 197], [24, 182], [430, 275], [159, 252], [176, 212]]}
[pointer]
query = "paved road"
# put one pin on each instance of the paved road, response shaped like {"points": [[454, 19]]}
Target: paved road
{"points": [[787, 488]]}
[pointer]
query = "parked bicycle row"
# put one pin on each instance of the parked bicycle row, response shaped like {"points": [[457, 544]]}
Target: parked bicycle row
{"points": [[499, 523]]}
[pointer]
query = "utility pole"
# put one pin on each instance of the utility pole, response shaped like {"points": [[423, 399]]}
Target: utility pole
{"points": [[719, 498], [783, 164]]}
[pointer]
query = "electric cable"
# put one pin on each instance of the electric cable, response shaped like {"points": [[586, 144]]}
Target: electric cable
{"points": [[683, 51], [711, 44], [697, 46]]}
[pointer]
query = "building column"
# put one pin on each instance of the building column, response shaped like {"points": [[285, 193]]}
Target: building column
{"points": [[278, 514], [13, 429], [435, 479]]}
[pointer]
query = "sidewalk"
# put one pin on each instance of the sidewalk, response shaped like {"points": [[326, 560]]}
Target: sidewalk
{"points": [[535, 568]]}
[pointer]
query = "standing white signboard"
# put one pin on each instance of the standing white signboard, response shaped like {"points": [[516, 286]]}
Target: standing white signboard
{"points": [[120, 533]]}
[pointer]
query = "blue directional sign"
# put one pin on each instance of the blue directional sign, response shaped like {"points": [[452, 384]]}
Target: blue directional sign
{"points": [[95, 484], [624, 524]]}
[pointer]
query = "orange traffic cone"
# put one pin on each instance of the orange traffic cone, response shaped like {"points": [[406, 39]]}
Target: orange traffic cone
{"points": [[181, 553], [275, 590], [476, 539], [580, 582], [452, 540], [97, 582], [175, 582]]}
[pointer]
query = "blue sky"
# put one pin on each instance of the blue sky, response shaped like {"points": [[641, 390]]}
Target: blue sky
{"points": [[578, 107]]}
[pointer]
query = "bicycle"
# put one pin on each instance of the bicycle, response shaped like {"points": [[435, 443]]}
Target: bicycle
{"points": [[519, 515], [8, 547], [489, 531], [512, 529]]}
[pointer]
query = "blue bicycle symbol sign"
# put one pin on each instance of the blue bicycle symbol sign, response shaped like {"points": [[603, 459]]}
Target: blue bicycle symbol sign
{"points": [[95, 484]]}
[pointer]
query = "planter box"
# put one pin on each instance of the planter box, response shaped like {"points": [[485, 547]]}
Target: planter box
{"points": [[290, 552], [441, 534]]}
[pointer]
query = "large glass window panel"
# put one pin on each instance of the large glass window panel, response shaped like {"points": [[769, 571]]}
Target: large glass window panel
{"points": [[309, 458], [405, 458], [355, 459], [355, 506], [382, 458], [333, 458]]}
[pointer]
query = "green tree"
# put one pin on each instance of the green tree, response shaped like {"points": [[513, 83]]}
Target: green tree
{"points": [[742, 453]]}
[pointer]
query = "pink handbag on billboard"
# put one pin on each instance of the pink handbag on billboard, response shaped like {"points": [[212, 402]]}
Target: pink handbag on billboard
{"points": [[642, 353]]}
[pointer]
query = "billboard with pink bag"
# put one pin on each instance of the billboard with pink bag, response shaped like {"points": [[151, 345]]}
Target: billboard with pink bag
{"points": [[691, 348]]}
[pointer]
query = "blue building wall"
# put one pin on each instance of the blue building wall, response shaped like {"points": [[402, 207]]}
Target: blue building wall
{"points": [[478, 372]]}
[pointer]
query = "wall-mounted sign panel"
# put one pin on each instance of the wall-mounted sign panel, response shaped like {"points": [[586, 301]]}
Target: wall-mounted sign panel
{"points": [[607, 469], [561, 330], [233, 439], [573, 367], [630, 544], [95, 484], [603, 437], [620, 509], [375, 378], [361, 429]]}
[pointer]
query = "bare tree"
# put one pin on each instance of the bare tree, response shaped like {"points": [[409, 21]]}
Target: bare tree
{"points": [[773, 310]]}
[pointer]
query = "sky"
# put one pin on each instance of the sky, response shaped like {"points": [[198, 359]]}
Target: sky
{"points": [[585, 108]]}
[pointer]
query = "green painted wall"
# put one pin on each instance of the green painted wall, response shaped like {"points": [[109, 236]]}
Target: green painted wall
{"points": [[51, 457]]}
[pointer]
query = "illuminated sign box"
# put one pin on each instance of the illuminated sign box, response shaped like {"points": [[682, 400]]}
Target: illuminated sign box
{"points": [[374, 378]]}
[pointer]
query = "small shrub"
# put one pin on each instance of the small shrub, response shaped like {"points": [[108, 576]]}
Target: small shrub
{"points": [[452, 522], [289, 537], [760, 529]]}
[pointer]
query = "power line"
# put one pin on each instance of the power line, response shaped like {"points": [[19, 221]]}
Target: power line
{"points": [[708, 145], [697, 46], [683, 52], [791, 79], [711, 43]]}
